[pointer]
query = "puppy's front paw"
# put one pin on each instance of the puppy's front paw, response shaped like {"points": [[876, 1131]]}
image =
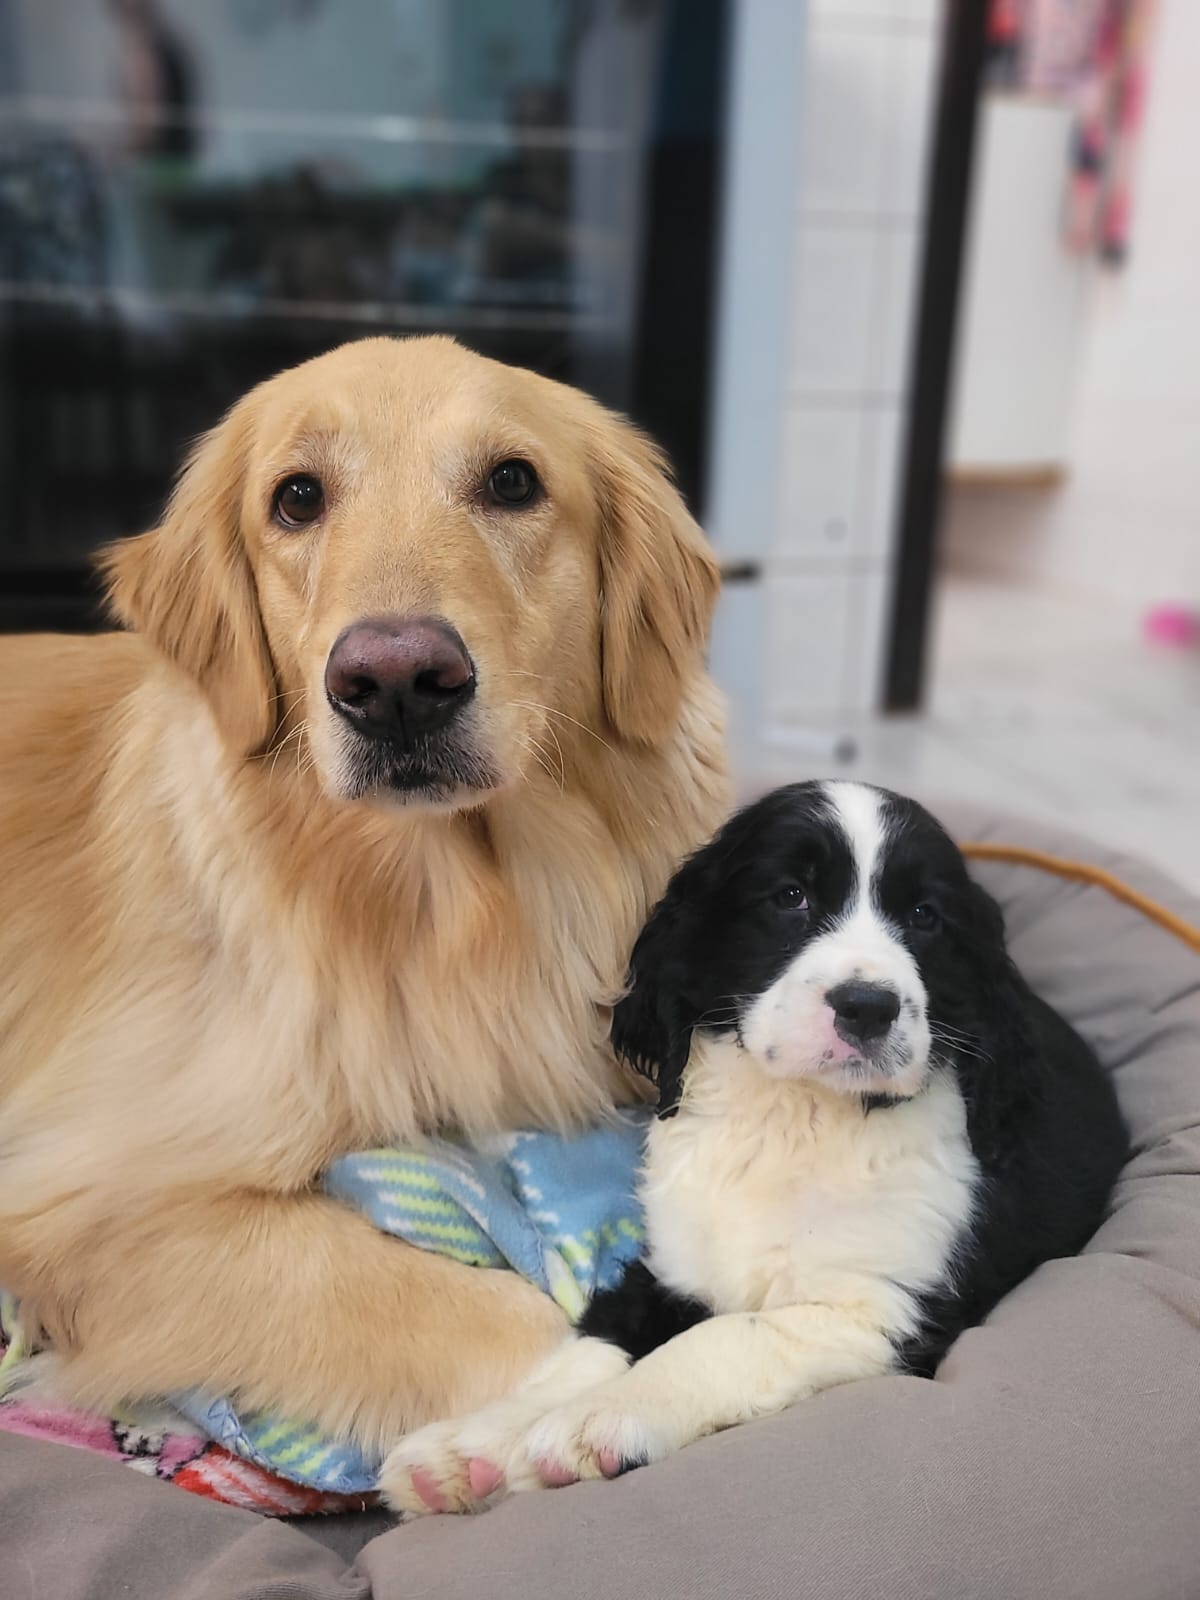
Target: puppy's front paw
{"points": [[425, 1472], [462, 1465], [599, 1436], [467, 1464]]}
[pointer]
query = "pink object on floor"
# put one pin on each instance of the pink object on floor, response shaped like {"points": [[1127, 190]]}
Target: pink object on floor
{"points": [[1175, 625], [186, 1459]]}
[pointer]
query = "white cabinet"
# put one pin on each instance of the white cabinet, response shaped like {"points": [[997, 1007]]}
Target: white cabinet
{"points": [[840, 471], [825, 631], [1025, 300]]}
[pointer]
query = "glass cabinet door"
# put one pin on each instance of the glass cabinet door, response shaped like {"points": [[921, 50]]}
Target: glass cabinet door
{"points": [[195, 195]]}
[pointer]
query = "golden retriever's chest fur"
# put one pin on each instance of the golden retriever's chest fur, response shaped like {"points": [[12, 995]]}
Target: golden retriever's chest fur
{"points": [[252, 980]]}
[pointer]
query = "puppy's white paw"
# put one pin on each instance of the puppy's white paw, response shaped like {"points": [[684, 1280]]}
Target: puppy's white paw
{"points": [[598, 1436], [472, 1461], [466, 1464], [425, 1472], [459, 1465]]}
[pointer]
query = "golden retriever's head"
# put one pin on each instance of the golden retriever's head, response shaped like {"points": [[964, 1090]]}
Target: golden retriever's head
{"points": [[431, 563]]}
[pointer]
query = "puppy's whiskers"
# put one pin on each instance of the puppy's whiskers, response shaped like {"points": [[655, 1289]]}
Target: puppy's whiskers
{"points": [[957, 1042], [718, 1017]]}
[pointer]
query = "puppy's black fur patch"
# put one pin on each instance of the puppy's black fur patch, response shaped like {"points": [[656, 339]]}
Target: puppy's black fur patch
{"points": [[640, 1313]]}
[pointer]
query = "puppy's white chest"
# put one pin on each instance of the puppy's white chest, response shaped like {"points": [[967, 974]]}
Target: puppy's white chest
{"points": [[761, 1194]]}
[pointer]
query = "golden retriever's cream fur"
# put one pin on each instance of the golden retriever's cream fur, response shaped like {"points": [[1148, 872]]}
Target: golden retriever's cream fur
{"points": [[216, 973]]}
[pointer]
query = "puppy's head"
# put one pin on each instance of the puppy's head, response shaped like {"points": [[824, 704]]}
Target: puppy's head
{"points": [[832, 929], [431, 569]]}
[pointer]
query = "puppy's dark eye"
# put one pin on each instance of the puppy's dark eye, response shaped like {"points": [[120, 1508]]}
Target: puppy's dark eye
{"points": [[790, 898], [512, 483], [923, 918], [299, 501]]}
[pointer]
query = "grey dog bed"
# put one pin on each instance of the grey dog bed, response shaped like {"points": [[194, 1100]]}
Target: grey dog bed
{"points": [[1057, 1452]]}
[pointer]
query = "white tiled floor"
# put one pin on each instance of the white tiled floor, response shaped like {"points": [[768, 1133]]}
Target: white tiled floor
{"points": [[1050, 707]]}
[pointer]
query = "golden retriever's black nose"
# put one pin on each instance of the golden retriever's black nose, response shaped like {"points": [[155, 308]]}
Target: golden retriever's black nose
{"points": [[399, 678], [863, 1011]]}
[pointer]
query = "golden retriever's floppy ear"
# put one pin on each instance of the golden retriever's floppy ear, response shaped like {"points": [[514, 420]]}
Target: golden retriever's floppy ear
{"points": [[187, 586], [659, 583]]}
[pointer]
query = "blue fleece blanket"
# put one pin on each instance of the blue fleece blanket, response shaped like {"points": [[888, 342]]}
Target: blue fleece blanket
{"points": [[562, 1212]]}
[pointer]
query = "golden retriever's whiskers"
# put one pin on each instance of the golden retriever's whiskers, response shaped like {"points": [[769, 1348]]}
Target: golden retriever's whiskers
{"points": [[304, 755], [542, 757], [289, 694], [562, 764], [294, 733], [291, 734], [539, 754], [534, 705], [541, 763], [297, 733]]}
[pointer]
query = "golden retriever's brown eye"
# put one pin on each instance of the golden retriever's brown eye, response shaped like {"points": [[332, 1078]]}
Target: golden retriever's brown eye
{"points": [[299, 500], [512, 483]]}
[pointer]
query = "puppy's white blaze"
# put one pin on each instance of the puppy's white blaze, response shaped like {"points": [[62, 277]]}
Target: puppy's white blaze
{"points": [[860, 814], [789, 1027], [862, 935]]}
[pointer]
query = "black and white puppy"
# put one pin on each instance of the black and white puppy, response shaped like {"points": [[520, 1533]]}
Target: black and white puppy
{"points": [[869, 1130]]}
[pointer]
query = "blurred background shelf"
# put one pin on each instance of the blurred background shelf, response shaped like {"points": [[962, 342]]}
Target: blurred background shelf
{"points": [[59, 112], [166, 307]]}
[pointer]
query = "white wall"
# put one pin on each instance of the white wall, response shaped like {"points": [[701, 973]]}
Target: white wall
{"points": [[1126, 525], [809, 434]]}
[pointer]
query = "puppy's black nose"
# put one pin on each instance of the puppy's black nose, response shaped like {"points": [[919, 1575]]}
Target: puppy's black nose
{"points": [[399, 678], [862, 1011]]}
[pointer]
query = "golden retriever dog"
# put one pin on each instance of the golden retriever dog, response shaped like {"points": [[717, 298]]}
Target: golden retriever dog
{"points": [[346, 838]]}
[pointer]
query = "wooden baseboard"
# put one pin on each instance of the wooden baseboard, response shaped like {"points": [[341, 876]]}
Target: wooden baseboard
{"points": [[1036, 475]]}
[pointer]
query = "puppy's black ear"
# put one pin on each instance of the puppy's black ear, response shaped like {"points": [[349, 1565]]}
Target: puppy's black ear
{"points": [[986, 923], [1004, 1076], [652, 1023]]}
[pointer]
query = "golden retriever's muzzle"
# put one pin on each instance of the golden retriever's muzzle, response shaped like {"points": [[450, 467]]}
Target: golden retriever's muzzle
{"points": [[403, 689]]}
